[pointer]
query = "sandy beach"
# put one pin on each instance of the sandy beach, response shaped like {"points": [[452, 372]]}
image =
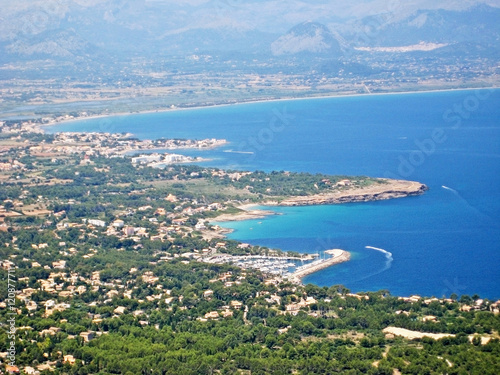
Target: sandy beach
{"points": [[248, 213], [251, 101]]}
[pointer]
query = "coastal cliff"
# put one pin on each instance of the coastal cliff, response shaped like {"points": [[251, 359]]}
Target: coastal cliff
{"points": [[387, 189]]}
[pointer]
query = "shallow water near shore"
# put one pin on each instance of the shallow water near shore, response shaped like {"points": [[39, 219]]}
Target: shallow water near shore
{"points": [[446, 241]]}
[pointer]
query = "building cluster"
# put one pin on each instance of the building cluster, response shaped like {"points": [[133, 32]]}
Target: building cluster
{"points": [[117, 144], [160, 160], [22, 127], [165, 222], [13, 165]]}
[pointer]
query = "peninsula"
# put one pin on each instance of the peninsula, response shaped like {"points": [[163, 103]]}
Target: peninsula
{"points": [[384, 189], [345, 191]]}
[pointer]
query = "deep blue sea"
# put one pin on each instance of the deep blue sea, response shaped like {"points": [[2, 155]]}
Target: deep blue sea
{"points": [[446, 241]]}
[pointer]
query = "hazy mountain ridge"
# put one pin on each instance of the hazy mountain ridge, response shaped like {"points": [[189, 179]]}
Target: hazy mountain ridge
{"points": [[128, 28], [477, 24], [60, 43]]}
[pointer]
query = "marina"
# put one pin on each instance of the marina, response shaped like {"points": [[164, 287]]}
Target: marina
{"points": [[286, 267]]}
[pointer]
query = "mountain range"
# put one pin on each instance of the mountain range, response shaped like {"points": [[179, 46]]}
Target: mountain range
{"points": [[119, 29]]}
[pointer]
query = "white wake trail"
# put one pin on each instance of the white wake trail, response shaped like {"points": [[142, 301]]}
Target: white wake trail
{"points": [[467, 204], [448, 188], [388, 256], [388, 261]]}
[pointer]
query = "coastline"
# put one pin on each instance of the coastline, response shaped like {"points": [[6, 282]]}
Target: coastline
{"points": [[390, 189], [250, 101]]}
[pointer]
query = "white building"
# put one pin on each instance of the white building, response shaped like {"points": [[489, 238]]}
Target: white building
{"points": [[97, 223], [143, 159]]}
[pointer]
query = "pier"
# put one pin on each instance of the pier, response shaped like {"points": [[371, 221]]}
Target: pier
{"points": [[337, 256]]}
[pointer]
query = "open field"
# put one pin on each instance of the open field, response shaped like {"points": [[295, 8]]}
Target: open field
{"points": [[202, 186]]}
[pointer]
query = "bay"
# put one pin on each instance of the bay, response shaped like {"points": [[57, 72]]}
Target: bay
{"points": [[444, 242]]}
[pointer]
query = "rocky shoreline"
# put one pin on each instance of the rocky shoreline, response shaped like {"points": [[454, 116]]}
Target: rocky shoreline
{"points": [[389, 189]]}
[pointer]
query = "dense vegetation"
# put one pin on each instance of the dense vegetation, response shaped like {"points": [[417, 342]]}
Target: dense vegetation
{"points": [[279, 184]]}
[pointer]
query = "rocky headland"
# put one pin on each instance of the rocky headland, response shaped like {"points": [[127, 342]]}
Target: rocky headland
{"points": [[387, 189]]}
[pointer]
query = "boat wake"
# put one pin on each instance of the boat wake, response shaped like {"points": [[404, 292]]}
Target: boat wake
{"points": [[449, 188], [470, 206], [388, 256], [388, 261], [239, 152]]}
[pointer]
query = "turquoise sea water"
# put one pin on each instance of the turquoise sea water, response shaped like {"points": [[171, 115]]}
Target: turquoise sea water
{"points": [[446, 241]]}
